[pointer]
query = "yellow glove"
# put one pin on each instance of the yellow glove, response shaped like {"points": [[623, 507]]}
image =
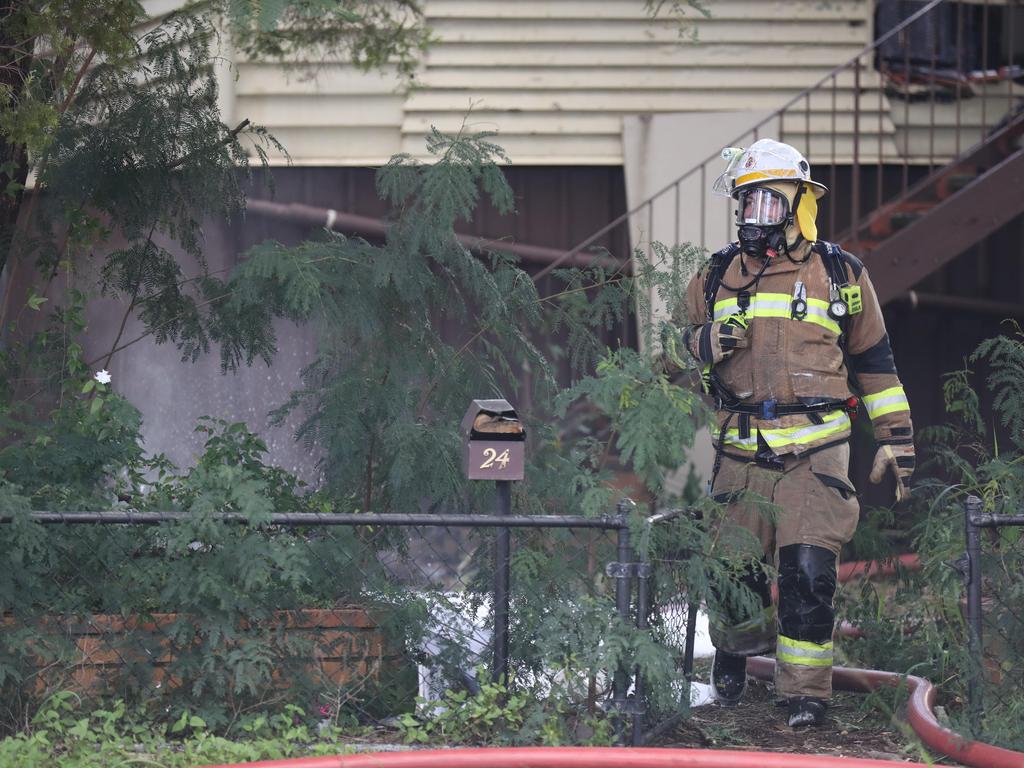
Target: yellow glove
{"points": [[900, 458]]}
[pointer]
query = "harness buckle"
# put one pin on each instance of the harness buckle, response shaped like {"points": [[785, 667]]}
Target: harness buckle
{"points": [[770, 461], [850, 406], [769, 410]]}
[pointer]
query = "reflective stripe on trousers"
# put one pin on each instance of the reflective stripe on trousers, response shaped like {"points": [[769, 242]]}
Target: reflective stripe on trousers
{"points": [[803, 653]]}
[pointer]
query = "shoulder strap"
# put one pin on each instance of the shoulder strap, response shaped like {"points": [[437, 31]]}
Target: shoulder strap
{"points": [[835, 265], [836, 261], [717, 266], [842, 260]]}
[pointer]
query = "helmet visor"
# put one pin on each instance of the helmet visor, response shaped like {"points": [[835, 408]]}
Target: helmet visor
{"points": [[762, 207]]}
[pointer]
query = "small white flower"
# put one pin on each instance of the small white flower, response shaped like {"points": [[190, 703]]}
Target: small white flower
{"points": [[103, 377]]}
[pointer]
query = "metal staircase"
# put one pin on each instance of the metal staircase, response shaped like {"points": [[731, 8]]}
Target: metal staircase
{"points": [[956, 206], [918, 136]]}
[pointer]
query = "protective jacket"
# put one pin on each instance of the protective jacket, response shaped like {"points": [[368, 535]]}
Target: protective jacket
{"points": [[801, 357]]}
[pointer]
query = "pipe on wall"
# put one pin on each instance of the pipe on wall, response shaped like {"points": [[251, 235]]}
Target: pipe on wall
{"points": [[367, 226]]}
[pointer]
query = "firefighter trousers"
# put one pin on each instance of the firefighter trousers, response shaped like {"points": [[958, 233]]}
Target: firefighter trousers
{"points": [[794, 516]]}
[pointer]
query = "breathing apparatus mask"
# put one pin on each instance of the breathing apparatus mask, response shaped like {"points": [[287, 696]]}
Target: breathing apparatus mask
{"points": [[762, 218]]}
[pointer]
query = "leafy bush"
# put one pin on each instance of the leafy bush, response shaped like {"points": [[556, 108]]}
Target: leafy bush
{"points": [[918, 625], [66, 733], [382, 401], [224, 582]]}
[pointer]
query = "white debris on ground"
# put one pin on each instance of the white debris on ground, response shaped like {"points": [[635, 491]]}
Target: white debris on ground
{"points": [[458, 641], [701, 694]]}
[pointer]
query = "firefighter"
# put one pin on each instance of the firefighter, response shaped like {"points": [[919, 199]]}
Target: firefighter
{"points": [[782, 325]]}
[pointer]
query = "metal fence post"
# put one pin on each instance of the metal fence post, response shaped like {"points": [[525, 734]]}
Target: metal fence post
{"points": [[972, 577], [502, 559], [622, 572], [643, 578]]}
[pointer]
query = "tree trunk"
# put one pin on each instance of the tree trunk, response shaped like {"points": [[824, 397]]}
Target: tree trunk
{"points": [[14, 68]]}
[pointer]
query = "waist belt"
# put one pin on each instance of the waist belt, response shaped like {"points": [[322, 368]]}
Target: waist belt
{"points": [[772, 409]]}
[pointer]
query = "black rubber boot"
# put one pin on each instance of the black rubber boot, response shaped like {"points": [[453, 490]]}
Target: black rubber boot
{"points": [[806, 711], [729, 678]]}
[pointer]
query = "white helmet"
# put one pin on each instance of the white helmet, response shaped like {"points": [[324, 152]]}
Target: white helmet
{"points": [[764, 160]]}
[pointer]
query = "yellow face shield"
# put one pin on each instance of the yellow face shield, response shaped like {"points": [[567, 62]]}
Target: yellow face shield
{"points": [[807, 214]]}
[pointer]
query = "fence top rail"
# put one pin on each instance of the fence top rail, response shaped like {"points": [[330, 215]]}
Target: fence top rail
{"points": [[995, 521], [317, 519]]}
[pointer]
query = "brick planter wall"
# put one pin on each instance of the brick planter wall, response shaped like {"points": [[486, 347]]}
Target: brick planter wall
{"points": [[99, 653]]}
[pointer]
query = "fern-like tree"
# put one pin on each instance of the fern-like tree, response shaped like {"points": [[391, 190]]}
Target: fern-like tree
{"points": [[121, 134], [137, 157]]}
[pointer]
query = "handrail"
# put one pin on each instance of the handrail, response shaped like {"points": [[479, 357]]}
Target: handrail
{"points": [[803, 95]]}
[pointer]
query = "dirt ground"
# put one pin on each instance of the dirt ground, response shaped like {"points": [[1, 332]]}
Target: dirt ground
{"points": [[852, 729]]}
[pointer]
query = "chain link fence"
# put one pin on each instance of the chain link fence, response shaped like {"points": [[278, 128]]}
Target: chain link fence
{"points": [[357, 618], [993, 569]]}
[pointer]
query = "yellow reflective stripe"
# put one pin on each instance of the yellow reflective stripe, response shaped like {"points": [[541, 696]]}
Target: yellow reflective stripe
{"points": [[803, 652], [891, 400], [806, 645], [778, 305], [817, 312], [835, 422], [800, 661], [726, 307], [770, 174]]}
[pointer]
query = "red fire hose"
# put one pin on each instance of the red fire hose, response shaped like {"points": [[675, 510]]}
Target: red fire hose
{"points": [[922, 719], [577, 757]]}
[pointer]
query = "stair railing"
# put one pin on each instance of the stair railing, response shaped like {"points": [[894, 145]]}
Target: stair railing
{"points": [[916, 126]]}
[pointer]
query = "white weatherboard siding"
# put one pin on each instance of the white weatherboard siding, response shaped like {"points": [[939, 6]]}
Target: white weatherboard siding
{"points": [[556, 77]]}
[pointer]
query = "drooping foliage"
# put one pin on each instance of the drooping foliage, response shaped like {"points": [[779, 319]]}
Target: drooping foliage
{"points": [[373, 34]]}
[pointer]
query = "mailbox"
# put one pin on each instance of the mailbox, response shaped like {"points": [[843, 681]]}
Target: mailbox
{"points": [[493, 445]]}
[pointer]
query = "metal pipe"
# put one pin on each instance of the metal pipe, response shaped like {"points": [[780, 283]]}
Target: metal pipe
{"points": [[984, 65], [959, 70], [881, 144], [1004, 309], [316, 519], [1011, 10], [832, 166], [502, 577], [328, 218], [931, 101], [906, 115], [855, 169], [973, 583]]}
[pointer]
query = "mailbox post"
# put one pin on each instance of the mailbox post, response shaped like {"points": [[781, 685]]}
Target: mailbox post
{"points": [[494, 449]]}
